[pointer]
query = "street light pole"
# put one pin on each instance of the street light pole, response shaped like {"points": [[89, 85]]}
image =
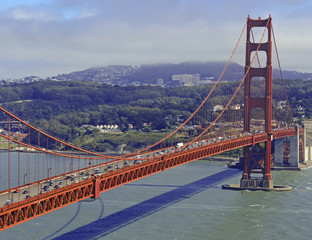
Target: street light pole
{"points": [[49, 172], [25, 178], [71, 166]]}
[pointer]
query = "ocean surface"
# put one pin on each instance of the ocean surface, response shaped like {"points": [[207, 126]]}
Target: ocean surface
{"points": [[183, 203]]}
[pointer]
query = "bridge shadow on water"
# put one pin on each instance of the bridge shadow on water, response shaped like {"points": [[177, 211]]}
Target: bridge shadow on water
{"points": [[115, 221]]}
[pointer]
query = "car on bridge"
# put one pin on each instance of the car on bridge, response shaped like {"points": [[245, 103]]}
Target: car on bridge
{"points": [[17, 190], [25, 191]]}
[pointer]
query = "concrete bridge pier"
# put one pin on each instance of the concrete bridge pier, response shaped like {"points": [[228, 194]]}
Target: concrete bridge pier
{"points": [[307, 149], [308, 153], [289, 151]]}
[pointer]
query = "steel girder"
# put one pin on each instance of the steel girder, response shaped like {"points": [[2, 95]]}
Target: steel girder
{"points": [[25, 210]]}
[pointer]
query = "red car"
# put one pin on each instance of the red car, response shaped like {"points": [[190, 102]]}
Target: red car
{"points": [[17, 190]]}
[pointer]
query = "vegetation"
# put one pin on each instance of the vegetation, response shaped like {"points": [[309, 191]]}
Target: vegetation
{"points": [[67, 109]]}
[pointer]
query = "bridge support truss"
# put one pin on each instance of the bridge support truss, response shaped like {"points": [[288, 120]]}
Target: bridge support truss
{"points": [[19, 212], [257, 157], [265, 102]]}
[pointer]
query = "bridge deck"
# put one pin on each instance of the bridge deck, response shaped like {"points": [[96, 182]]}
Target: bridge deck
{"points": [[87, 183]]}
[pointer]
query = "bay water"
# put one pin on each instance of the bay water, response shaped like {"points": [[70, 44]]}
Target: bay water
{"points": [[182, 203]]}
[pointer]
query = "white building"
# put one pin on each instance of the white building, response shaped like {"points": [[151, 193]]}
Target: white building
{"points": [[218, 108], [187, 79]]}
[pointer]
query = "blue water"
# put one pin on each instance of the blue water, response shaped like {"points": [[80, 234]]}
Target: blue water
{"points": [[185, 202]]}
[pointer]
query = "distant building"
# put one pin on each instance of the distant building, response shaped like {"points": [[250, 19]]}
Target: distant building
{"points": [[187, 79], [136, 84], [281, 104], [236, 107], [180, 119], [300, 109], [147, 124], [218, 108], [160, 82]]}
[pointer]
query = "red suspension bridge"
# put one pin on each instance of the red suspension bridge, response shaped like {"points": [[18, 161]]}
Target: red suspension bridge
{"points": [[40, 173]]}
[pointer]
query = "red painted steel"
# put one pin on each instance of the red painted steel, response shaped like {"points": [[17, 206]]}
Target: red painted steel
{"points": [[265, 102], [96, 188], [25, 210]]}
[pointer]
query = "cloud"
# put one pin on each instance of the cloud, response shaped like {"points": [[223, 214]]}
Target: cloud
{"points": [[57, 36]]}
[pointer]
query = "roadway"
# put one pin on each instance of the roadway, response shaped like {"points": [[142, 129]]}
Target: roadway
{"points": [[47, 185], [40, 187]]}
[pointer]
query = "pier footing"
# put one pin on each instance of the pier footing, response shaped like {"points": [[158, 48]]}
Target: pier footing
{"points": [[241, 188]]}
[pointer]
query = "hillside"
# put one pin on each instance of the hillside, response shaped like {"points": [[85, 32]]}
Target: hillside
{"points": [[185, 74], [149, 74], [72, 110]]}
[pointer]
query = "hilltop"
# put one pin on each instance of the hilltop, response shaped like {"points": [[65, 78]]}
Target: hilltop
{"points": [[187, 74], [161, 74]]}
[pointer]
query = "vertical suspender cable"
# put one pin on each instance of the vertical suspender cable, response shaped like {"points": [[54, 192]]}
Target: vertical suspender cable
{"points": [[47, 157], [28, 154], [0, 166], [279, 65], [56, 161], [9, 157], [19, 156]]}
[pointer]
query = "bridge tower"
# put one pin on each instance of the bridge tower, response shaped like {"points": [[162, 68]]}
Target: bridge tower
{"points": [[265, 102]]}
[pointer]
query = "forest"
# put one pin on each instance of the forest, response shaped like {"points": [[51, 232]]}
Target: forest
{"points": [[67, 109]]}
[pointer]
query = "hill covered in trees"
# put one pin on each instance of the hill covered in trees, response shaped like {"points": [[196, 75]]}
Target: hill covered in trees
{"points": [[71, 110]]}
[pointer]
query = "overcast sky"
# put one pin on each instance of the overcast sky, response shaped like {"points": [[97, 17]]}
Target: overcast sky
{"points": [[50, 37]]}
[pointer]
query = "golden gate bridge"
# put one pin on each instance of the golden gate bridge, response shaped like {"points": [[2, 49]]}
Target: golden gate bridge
{"points": [[41, 173]]}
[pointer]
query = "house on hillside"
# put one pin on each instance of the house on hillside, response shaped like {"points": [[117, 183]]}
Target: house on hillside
{"points": [[218, 108]]}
